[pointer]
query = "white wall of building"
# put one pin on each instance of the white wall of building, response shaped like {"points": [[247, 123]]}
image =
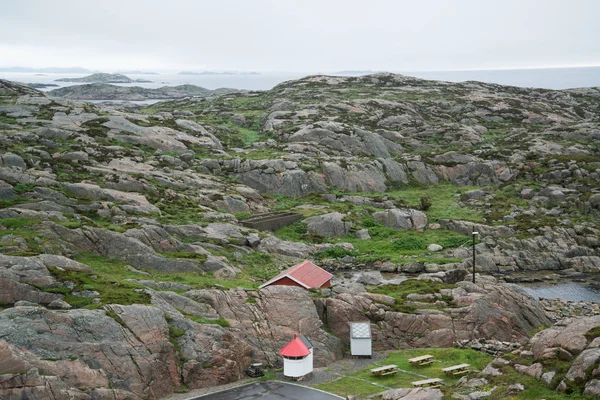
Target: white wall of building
{"points": [[360, 347], [298, 368]]}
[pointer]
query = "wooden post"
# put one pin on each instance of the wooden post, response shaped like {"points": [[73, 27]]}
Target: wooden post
{"points": [[474, 234]]}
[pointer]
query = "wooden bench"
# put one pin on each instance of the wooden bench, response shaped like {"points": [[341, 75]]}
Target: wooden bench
{"points": [[434, 383], [457, 369], [421, 360], [385, 370]]}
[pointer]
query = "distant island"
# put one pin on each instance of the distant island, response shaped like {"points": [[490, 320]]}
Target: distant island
{"points": [[41, 85], [100, 78], [103, 91], [51, 70], [217, 73]]}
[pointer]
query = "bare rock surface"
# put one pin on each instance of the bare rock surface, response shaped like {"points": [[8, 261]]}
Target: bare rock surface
{"points": [[499, 312], [127, 354], [413, 394], [267, 320]]}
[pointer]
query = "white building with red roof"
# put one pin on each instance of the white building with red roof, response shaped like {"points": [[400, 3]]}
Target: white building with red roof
{"points": [[306, 275], [297, 357]]}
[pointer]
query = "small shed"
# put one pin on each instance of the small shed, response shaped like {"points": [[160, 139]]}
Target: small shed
{"points": [[306, 275], [360, 339], [297, 358]]}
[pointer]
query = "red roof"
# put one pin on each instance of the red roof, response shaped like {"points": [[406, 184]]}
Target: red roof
{"points": [[295, 348], [306, 274]]}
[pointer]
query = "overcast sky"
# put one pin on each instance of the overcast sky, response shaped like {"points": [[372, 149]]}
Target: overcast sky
{"points": [[299, 35]]}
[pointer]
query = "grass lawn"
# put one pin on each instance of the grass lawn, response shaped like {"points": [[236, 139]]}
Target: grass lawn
{"points": [[444, 202], [395, 245], [534, 390], [386, 244], [443, 358], [401, 291], [257, 266], [109, 279]]}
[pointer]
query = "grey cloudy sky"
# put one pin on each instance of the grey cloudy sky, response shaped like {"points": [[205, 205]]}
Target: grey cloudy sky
{"points": [[299, 35]]}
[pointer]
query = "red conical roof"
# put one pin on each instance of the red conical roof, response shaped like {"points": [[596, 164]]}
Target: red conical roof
{"points": [[295, 348]]}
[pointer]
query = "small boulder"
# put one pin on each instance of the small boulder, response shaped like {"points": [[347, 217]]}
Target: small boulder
{"points": [[75, 156], [473, 194], [548, 376], [59, 305], [363, 234], [328, 225], [592, 388], [527, 194], [516, 388], [370, 278], [388, 267], [595, 200], [413, 394], [402, 218], [12, 160], [534, 370], [434, 247], [491, 371], [413, 267]]}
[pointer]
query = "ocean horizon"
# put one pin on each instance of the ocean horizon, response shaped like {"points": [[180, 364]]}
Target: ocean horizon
{"points": [[545, 78]]}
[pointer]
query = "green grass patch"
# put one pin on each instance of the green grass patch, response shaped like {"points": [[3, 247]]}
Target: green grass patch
{"points": [[5, 119], [175, 332], [177, 211], [263, 154], [7, 203], [387, 244], [45, 113], [335, 252], [534, 389], [443, 358], [185, 254], [112, 290], [24, 228], [401, 291], [256, 268], [593, 333], [18, 223], [201, 320], [181, 389], [21, 188], [115, 316], [444, 202]]}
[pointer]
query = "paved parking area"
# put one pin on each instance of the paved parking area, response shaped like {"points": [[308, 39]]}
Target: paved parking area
{"points": [[269, 391]]}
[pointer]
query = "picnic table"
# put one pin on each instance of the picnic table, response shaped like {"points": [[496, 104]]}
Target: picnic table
{"points": [[385, 370], [421, 360], [457, 369], [434, 382]]}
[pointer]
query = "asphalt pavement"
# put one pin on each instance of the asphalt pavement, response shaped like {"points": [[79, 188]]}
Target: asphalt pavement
{"points": [[271, 390]]}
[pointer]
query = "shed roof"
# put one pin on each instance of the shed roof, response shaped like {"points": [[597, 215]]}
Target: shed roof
{"points": [[360, 330], [295, 348], [306, 342], [306, 274]]}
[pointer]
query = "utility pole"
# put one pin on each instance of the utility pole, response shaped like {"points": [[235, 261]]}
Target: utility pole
{"points": [[474, 234]]}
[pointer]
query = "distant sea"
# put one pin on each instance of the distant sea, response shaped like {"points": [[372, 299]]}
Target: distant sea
{"points": [[549, 78]]}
